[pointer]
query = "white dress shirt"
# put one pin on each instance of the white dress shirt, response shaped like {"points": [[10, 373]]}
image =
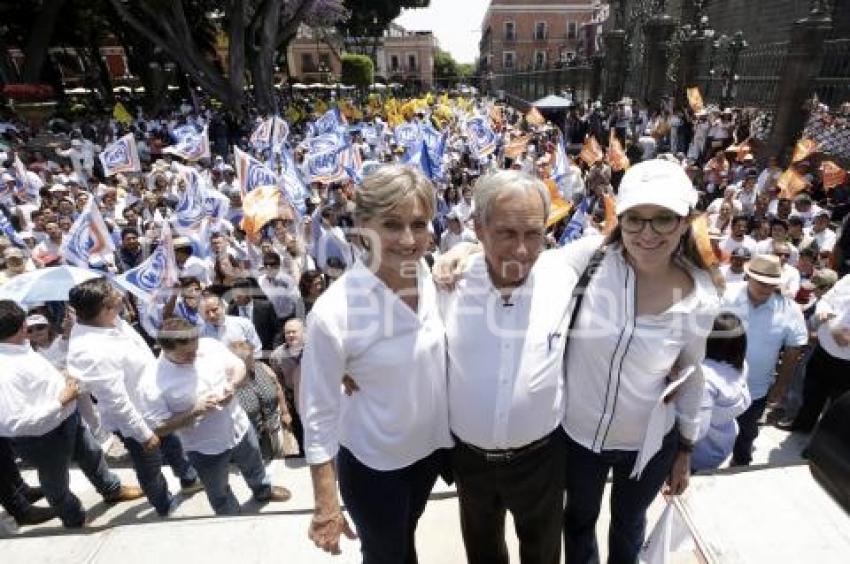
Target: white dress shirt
{"points": [[109, 362], [282, 292], [171, 389], [29, 393], [618, 362], [232, 329], [505, 363], [397, 356]]}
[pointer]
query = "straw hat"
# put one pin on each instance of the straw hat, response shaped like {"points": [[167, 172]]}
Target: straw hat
{"points": [[765, 268]]}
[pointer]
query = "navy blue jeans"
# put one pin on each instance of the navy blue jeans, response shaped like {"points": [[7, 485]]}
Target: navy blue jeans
{"points": [[52, 453], [748, 431], [386, 505], [148, 467], [587, 473], [213, 469]]}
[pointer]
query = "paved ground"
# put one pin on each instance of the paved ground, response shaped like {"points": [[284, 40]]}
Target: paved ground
{"points": [[131, 532]]}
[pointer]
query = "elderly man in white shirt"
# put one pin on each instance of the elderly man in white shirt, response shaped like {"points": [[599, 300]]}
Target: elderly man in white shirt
{"points": [[190, 390], [38, 410], [108, 357], [225, 328], [505, 375]]}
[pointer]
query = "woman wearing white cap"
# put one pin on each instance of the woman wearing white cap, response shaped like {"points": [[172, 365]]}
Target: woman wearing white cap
{"points": [[645, 313], [646, 303]]}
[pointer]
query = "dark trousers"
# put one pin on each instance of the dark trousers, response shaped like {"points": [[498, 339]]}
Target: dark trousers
{"points": [[827, 378], [297, 425], [531, 487], [748, 430], [386, 505], [587, 473], [51, 454], [11, 483], [148, 468]]}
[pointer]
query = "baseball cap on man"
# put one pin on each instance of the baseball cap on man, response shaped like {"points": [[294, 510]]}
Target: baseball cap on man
{"points": [[36, 319], [657, 182]]}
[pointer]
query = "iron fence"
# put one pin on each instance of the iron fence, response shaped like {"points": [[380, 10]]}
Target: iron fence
{"points": [[526, 87], [751, 81], [833, 82]]}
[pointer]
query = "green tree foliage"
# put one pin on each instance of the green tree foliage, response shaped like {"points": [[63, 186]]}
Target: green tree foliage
{"points": [[357, 70]]}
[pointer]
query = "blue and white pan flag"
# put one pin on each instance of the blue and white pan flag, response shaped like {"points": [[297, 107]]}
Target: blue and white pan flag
{"points": [[331, 122], [158, 271], [190, 145], [326, 166], [271, 132], [575, 228], [190, 207], [121, 155], [87, 239], [251, 173], [7, 229], [408, 135], [292, 183], [481, 136]]}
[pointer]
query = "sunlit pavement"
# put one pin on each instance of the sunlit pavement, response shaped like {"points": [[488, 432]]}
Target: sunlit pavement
{"points": [[131, 532]]}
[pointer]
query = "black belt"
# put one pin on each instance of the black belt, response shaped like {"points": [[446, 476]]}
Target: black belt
{"points": [[506, 455]]}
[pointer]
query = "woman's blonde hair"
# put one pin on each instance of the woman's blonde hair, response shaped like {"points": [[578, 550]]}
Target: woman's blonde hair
{"points": [[386, 186]]}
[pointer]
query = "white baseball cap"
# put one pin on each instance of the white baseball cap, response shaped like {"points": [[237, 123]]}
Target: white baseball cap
{"points": [[657, 182]]}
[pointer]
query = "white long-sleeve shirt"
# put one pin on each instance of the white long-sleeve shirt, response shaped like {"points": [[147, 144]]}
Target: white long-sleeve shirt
{"points": [[505, 363], [359, 327], [29, 393], [618, 362], [109, 363]]}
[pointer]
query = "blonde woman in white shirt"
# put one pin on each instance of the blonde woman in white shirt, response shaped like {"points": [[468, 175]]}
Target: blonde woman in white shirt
{"points": [[379, 323]]}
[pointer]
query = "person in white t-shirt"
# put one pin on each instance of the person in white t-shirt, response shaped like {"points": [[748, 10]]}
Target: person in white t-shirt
{"points": [[737, 238], [823, 236], [189, 391], [455, 233], [733, 271]]}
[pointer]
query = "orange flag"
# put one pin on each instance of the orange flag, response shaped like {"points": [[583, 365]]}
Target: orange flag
{"points": [[515, 148], [591, 151], [610, 213], [616, 156], [791, 183], [261, 206], [832, 175], [699, 226], [803, 149], [695, 99], [534, 117], [496, 114], [560, 208]]}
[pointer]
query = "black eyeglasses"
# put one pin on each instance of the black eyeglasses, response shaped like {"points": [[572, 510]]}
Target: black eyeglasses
{"points": [[663, 224], [35, 328], [271, 265]]}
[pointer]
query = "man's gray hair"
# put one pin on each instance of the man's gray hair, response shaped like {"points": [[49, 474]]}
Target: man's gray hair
{"points": [[491, 186]]}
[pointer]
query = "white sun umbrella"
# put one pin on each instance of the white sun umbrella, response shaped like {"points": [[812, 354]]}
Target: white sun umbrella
{"points": [[49, 284]]}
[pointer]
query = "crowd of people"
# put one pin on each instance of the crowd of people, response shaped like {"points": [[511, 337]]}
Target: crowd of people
{"points": [[524, 311]]}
